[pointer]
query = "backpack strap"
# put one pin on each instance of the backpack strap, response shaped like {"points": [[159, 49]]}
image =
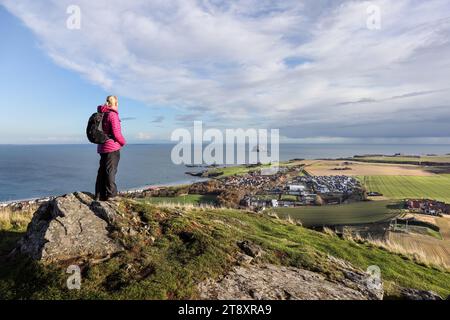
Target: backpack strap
{"points": [[105, 115]]}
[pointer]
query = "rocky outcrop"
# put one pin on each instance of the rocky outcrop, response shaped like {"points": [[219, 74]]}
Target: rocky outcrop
{"points": [[271, 282], [250, 249], [414, 294], [369, 286], [70, 227], [261, 281]]}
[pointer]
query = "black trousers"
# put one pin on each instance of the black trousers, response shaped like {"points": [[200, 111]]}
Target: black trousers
{"points": [[105, 186]]}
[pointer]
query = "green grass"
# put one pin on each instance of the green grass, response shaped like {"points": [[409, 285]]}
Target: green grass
{"points": [[195, 199], [401, 187], [8, 239], [244, 169], [236, 170], [267, 197], [284, 197], [434, 234], [422, 230], [288, 197], [354, 213], [193, 245]]}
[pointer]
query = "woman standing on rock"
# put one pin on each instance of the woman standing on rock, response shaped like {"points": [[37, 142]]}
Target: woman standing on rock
{"points": [[105, 187]]}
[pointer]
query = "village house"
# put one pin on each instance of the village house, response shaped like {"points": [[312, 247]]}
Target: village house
{"points": [[430, 207]]}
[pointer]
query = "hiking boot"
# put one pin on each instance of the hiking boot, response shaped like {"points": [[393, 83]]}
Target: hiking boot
{"points": [[99, 198]]}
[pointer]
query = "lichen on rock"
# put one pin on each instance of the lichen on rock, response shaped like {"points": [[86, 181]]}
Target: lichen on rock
{"points": [[70, 227]]}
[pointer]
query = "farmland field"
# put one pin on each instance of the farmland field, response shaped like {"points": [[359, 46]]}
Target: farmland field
{"points": [[399, 159], [244, 169], [349, 214], [331, 168], [237, 170], [435, 187]]}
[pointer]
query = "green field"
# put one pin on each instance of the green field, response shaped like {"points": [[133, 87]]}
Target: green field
{"points": [[244, 169], [195, 199], [236, 170], [401, 187], [284, 197], [354, 213]]}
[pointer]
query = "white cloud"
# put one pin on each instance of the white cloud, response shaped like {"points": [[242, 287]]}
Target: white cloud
{"points": [[144, 136], [228, 58]]}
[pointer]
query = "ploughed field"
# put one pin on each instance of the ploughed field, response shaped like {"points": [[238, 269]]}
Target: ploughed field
{"points": [[444, 159], [352, 168], [435, 187], [346, 214]]}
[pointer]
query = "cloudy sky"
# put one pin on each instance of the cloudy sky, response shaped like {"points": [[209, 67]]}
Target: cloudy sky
{"points": [[319, 70]]}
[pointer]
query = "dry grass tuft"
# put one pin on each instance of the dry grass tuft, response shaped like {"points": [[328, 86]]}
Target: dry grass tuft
{"points": [[273, 214], [414, 252], [189, 206], [290, 220], [329, 232], [15, 220]]}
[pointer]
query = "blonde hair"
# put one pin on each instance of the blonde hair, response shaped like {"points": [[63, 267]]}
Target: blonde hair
{"points": [[109, 100]]}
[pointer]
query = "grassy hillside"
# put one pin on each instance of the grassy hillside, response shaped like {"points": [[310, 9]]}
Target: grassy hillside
{"points": [[187, 245], [354, 213], [400, 187], [195, 199]]}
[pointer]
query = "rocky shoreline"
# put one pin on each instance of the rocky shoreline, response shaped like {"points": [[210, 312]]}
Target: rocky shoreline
{"points": [[22, 205]]}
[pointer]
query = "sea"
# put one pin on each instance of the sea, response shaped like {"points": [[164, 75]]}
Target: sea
{"points": [[36, 171]]}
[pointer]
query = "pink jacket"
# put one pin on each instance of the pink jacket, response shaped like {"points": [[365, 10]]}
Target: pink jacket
{"points": [[111, 126]]}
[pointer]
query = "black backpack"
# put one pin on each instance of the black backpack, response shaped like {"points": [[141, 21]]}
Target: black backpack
{"points": [[94, 130]]}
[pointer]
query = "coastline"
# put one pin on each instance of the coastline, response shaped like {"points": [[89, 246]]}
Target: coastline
{"points": [[391, 158], [169, 184], [143, 166], [39, 200]]}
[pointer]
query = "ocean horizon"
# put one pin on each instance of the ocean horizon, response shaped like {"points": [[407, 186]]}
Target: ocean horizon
{"points": [[36, 171]]}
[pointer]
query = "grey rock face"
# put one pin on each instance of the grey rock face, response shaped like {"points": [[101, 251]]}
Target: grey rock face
{"points": [[70, 227], [271, 282], [357, 279], [250, 249], [414, 294]]}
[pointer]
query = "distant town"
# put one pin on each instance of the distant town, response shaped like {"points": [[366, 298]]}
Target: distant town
{"points": [[308, 190]]}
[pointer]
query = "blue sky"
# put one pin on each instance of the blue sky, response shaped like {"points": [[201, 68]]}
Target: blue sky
{"points": [[45, 103], [312, 68]]}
